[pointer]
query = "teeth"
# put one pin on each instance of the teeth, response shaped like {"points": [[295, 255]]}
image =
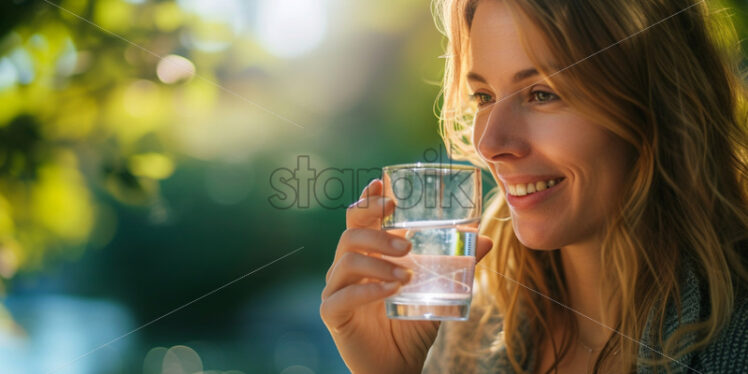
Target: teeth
{"points": [[529, 188], [521, 190]]}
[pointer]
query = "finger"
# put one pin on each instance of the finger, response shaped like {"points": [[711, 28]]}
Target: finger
{"points": [[370, 241], [368, 212], [373, 241], [374, 188], [483, 245], [354, 267], [337, 308]]}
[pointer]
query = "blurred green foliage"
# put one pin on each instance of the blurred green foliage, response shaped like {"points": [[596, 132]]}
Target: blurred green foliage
{"points": [[72, 106], [84, 111], [103, 144]]}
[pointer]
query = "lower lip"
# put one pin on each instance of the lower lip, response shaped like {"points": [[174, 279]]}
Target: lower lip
{"points": [[533, 199]]}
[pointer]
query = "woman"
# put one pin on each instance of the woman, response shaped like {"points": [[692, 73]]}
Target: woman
{"points": [[616, 132]]}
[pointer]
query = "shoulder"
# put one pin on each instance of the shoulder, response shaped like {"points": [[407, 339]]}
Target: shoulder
{"points": [[728, 353]]}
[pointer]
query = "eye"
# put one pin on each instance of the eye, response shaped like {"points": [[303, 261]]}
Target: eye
{"points": [[543, 96], [481, 98]]}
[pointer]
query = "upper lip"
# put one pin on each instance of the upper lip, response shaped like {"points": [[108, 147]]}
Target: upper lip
{"points": [[525, 179]]}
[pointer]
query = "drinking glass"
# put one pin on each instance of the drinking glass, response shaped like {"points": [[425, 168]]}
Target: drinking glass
{"points": [[438, 208]]}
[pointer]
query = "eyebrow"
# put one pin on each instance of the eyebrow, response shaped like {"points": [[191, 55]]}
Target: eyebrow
{"points": [[518, 77]]}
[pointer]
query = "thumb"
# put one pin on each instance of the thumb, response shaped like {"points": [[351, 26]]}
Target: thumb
{"points": [[483, 245]]}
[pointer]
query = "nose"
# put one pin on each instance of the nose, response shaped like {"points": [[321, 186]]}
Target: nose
{"points": [[499, 133]]}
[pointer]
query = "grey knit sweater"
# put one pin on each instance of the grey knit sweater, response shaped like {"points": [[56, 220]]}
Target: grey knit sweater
{"points": [[727, 354]]}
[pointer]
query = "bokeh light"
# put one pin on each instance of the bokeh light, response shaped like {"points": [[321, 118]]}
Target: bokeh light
{"points": [[173, 68], [288, 28], [295, 349], [181, 359]]}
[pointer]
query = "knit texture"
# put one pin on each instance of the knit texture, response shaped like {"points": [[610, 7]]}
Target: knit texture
{"points": [[728, 353]]}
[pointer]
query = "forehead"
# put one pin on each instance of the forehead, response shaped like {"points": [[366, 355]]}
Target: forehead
{"points": [[496, 43]]}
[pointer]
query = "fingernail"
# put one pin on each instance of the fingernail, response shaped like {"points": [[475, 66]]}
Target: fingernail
{"points": [[400, 244], [402, 274], [389, 286]]}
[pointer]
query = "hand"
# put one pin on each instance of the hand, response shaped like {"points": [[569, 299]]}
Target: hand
{"points": [[359, 280]]}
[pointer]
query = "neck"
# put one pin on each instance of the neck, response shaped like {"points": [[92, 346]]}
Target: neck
{"points": [[583, 272]]}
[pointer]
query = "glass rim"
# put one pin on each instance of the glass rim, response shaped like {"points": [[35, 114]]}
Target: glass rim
{"points": [[430, 165]]}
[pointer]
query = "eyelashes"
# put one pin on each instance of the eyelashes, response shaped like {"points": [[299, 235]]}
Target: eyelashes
{"points": [[535, 95], [480, 98], [544, 96]]}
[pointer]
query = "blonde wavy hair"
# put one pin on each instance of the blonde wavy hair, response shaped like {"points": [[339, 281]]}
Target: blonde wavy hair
{"points": [[671, 89]]}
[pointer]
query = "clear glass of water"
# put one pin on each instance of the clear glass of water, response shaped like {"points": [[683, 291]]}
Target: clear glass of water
{"points": [[438, 208]]}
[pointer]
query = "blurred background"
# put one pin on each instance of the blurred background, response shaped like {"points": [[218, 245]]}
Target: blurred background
{"points": [[146, 155]]}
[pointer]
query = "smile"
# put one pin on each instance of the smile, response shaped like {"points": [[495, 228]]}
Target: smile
{"points": [[524, 189]]}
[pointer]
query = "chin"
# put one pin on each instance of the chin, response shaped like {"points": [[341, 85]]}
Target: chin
{"points": [[538, 239]]}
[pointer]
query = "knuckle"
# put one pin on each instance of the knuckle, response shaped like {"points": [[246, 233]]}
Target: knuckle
{"points": [[323, 310], [345, 237], [329, 275], [328, 308]]}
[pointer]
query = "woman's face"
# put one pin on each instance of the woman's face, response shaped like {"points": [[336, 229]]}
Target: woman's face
{"points": [[560, 172]]}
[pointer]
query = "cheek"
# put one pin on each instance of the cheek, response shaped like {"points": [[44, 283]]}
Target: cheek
{"points": [[611, 167], [595, 162], [562, 141], [583, 149], [600, 180]]}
